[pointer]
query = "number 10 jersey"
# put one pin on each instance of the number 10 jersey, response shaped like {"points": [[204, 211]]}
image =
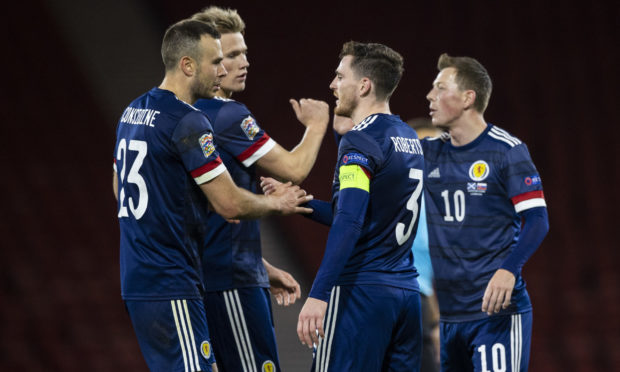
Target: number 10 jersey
{"points": [[473, 196]]}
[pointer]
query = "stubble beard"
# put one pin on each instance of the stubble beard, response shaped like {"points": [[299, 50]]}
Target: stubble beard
{"points": [[343, 110]]}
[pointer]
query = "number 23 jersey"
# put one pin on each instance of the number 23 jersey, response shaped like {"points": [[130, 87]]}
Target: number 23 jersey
{"points": [[164, 150]]}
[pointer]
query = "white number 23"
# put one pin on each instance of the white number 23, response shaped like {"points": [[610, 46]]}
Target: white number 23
{"points": [[133, 177]]}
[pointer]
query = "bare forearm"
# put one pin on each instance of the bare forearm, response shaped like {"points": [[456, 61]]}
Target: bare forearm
{"points": [[294, 165], [304, 155], [252, 206]]}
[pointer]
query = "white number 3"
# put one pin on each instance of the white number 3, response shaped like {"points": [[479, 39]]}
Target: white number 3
{"points": [[133, 177], [412, 205]]}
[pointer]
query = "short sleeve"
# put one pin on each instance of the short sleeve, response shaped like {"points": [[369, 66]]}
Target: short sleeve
{"points": [[195, 143], [356, 147], [238, 132], [523, 182]]}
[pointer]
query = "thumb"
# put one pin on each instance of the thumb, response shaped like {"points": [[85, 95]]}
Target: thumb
{"points": [[296, 106]]}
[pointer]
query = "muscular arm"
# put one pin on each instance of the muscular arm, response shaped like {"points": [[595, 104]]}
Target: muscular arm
{"points": [[295, 165], [321, 210], [233, 202]]}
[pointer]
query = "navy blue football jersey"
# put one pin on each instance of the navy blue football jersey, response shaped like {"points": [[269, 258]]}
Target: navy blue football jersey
{"points": [[473, 195], [232, 256], [164, 150], [390, 153]]}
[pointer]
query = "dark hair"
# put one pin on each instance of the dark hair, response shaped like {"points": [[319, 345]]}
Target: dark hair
{"points": [[182, 38], [382, 65], [470, 75]]}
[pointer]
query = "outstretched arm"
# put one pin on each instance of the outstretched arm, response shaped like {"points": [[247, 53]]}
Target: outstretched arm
{"points": [[233, 202], [321, 210]]}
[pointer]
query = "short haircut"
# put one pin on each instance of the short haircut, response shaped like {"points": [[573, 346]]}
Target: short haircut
{"points": [[382, 65], [470, 75], [227, 21], [182, 39]]}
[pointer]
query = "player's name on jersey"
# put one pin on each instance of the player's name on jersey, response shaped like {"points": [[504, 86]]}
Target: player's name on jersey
{"points": [[139, 116], [408, 145]]}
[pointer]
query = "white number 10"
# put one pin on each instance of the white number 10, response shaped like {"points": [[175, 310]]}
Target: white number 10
{"points": [[412, 205], [459, 205]]}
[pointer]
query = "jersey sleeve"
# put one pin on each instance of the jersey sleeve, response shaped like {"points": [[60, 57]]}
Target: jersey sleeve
{"points": [[238, 131], [358, 148], [523, 182], [193, 139]]}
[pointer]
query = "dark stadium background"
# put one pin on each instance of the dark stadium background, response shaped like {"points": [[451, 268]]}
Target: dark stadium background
{"points": [[69, 68]]}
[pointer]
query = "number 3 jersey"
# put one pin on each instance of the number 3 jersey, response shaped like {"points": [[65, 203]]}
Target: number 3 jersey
{"points": [[390, 154], [164, 150], [232, 255], [473, 196]]}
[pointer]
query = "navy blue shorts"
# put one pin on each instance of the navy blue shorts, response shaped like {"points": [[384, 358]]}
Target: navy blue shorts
{"points": [[242, 331], [172, 334], [370, 328], [495, 344]]}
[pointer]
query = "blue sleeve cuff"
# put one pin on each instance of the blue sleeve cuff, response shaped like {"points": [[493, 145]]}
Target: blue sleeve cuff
{"points": [[534, 230], [321, 212]]}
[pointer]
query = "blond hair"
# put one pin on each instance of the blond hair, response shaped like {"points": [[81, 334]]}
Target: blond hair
{"points": [[226, 20]]}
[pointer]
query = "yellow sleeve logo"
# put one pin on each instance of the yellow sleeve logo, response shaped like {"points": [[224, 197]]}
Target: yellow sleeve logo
{"points": [[353, 176]]}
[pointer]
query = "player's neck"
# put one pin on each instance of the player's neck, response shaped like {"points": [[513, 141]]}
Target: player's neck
{"points": [[224, 93], [365, 109], [467, 129], [180, 90]]}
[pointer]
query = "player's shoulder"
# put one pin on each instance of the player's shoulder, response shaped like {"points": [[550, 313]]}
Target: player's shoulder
{"points": [[380, 125], [435, 142], [502, 138], [218, 103], [168, 102]]}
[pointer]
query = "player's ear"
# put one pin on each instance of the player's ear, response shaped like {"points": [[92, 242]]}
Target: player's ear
{"points": [[365, 86], [187, 65], [469, 97]]}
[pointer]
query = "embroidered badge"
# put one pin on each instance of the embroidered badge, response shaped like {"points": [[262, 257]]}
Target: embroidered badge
{"points": [[205, 349], [206, 144], [479, 170], [250, 127], [268, 366]]}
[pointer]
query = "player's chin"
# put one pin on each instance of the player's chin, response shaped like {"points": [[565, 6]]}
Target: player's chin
{"points": [[341, 111]]}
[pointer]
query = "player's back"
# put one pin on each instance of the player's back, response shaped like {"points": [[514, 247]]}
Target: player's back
{"points": [[160, 203], [395, 164]]}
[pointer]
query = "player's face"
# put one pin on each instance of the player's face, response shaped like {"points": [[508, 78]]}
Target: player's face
{"points": [[345, 86], [210, 71], [447, 100], [236, 63]]}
